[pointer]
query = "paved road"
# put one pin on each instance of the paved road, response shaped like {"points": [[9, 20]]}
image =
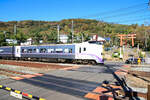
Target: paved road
{"points": [[71, 84]]}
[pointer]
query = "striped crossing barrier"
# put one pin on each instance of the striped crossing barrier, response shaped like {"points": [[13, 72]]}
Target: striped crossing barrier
{"points": [[22, 93]]}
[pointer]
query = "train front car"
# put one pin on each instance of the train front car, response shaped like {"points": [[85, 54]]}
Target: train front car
{"points": [[91, 52]]}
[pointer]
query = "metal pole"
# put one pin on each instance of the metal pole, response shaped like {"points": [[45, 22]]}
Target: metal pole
{"points": [[121, 40], [5, 34], [82, 37], [13, 47], [72, 32], [138, 49], [145, 40], [58, 37], [15, 29]]}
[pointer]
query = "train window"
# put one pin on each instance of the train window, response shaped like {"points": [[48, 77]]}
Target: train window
{"points": [[37, 50], [59, 50], [84, 49], [66, 50], [34, 50], [50, 50], [43, 50], [70, 50], [80, 50], [29, 51], [23, 51], [95, 42]]}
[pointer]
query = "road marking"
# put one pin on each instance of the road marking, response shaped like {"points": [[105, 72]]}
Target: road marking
{"points": [[92, 96], [26, 76], [38, 74], [127, 66], [99, 89], [98, 96], [17, 78], [121, 72], [69, 68]]}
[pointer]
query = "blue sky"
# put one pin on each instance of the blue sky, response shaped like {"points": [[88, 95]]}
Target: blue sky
{"points": [[55, 10]]}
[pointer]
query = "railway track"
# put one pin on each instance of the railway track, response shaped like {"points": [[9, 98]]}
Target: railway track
{"points": [[10, 73], [31, 64]]}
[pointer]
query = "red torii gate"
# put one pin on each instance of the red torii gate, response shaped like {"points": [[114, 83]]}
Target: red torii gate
{"points": [[125, 36]]}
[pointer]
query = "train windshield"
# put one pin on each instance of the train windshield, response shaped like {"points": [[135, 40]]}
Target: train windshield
{"points": [[96, 42]]}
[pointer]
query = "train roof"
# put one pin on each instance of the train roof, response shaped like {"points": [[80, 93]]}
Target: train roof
{"points": [[53, 44], [91, 42]]}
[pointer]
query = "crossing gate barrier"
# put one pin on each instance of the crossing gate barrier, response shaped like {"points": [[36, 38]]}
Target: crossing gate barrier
{"points": [[22, 93]]}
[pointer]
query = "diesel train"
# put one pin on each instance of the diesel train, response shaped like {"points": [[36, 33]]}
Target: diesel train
{"points": [[86, 52]]}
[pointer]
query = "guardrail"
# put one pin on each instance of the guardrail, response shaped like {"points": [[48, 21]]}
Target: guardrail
{"points": [[19, 94]]}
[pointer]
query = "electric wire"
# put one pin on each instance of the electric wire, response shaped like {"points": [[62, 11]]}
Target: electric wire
{"points": [[114, 11], [123, 15], [126, 14]]}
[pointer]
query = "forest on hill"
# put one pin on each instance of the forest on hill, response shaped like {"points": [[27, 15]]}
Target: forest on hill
{"points": [[47, 31]]}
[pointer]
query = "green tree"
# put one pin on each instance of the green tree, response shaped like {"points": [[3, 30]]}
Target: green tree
{"points": [[52, 37], [21, 37], [69, 37], [36, 37], [2, 39]]}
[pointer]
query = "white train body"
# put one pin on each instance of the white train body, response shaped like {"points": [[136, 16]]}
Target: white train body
{"points": [[86, 51]]}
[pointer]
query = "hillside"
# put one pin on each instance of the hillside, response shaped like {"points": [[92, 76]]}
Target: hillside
{"points": [[80, 25], [47, 30]]}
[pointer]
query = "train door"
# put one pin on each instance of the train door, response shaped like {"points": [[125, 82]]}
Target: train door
{"points": [[17, 51]]}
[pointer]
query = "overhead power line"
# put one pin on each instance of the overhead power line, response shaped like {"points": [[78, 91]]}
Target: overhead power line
{"points": [[123, 15], [131, 17], [136, 19], [115, 11], [126, 14]]}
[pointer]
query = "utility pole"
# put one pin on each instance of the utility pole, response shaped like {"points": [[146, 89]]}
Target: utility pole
{"points": [[4, 34], [13, 47], [145, 39], [15, 29], [82, 37], [146, 23], [72, 32], [58, 36], [138, 49]]}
